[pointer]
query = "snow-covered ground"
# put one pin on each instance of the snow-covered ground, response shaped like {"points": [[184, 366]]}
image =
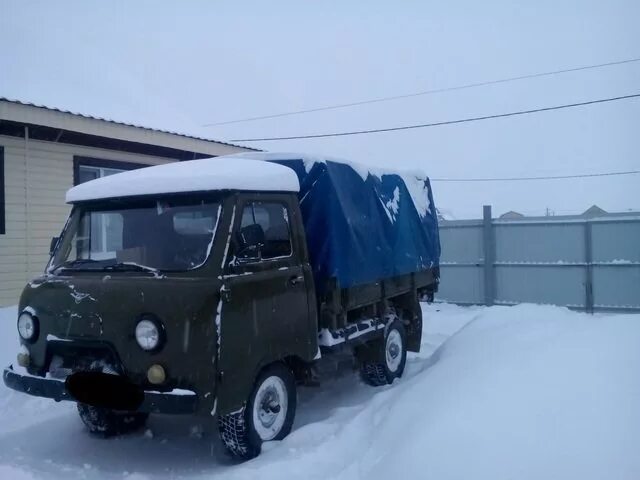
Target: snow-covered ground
{"points": [[524, 392]]}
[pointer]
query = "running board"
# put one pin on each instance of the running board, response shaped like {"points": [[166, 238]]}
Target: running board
{"points": [[331, 338]]}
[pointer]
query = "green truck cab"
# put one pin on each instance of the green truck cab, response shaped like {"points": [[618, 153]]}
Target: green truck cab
{"points": [[188, 288]]}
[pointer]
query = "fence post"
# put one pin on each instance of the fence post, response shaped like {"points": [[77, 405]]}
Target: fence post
{"points": [[588, 260], [489, 247]]}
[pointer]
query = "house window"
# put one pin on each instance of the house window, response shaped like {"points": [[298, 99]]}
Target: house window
{"points": [[2, 199], [86, 168], [86, 172], [104, 227]]}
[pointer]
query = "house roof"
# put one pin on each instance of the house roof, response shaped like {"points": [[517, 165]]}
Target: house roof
{"points": [[594, 211], [511, 214], [26, 112]]}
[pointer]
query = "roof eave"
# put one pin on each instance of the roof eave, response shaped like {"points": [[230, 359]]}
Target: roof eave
{"points": [[16, 111]]}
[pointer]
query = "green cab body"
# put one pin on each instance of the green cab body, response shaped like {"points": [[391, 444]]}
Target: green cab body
{"points": [[222, 322]]}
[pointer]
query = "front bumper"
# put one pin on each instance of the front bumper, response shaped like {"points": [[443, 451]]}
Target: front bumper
{"points": [[175, 402]]}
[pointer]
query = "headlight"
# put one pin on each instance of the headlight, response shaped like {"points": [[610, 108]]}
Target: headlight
{"points": [[27, 326], [148, 334]]}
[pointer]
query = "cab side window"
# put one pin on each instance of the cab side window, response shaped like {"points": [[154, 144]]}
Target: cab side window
{"points": [[264, 232]]}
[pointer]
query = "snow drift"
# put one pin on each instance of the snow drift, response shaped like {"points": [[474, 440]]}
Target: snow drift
{"points": [[523, 392]]}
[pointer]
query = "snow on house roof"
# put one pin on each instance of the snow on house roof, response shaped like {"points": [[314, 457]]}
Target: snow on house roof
{"points": [[219, 173], [121, 123]]}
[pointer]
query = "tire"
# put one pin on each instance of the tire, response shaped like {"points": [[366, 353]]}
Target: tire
{"points": [[384, 360], [413, 329], [108, 423], [268, 414]]}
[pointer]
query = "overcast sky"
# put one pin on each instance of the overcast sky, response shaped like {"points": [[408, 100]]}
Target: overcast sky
{"points": [[181, 65]]}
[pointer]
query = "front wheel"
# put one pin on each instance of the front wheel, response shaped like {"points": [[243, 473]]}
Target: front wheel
{"points": [[107, 423], [382, 361], [268, 415]]}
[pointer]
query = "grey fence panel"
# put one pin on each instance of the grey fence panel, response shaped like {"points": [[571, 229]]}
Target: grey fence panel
{"points": [[616, 286], [562, 285], [461, 263], [539, 243], [461, 244], [590, 264], [616, 241], [461, 283]]}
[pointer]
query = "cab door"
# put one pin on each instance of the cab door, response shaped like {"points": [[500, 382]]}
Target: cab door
{"points": [[265, 309]]}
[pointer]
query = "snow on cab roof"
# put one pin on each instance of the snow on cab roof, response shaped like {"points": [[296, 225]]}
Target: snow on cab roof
{"points": [[217, 173]]}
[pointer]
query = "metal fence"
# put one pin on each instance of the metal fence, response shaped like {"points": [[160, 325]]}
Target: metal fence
{"points": [[587, 264]]}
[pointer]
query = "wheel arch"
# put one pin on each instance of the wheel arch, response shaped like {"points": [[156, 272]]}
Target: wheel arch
{"points": [[237, 397]]}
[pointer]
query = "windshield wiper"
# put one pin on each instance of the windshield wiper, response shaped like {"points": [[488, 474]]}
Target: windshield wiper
{"points": [[126, 266], [73, 263], [114, 267]]}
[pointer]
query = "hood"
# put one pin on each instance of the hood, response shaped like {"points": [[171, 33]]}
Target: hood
{"points": [[94, 308]]}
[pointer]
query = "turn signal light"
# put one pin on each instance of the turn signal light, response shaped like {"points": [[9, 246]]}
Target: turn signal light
{"points": [[24, 359], [156, 374]]}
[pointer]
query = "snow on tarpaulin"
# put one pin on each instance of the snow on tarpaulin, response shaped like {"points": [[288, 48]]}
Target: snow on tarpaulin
{"points": [[363, 225]]}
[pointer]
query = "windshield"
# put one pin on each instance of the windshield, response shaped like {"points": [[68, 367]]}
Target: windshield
{"points": [[172, 234]]}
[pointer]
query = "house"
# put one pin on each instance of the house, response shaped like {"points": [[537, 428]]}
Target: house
{"points": [[511, 215], [44, 152], [594, 211]]}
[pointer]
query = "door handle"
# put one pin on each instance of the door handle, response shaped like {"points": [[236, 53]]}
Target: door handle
{"points": [[296, 279]]}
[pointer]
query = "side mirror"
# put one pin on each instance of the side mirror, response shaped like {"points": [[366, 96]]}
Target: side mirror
{"points": [[249, 240], [53, 244]]}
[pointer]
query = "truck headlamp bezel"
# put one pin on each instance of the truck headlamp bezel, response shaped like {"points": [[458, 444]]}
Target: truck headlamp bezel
{"points": [[28, 327], [149, 333]]}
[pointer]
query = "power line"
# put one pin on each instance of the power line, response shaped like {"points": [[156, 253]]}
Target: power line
{"points": [[423, 92], [517, 179], [437, 124]]}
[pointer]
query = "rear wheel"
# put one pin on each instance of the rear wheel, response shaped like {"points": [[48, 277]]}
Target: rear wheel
{"points": [[383, 360], [107, 423], [268, 415]]}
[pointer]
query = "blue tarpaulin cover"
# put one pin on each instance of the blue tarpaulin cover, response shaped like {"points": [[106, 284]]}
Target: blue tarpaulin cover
{"points": [[362, 230]]}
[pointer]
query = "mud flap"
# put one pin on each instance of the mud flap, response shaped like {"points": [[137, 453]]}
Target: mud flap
{"points": [[414, 330], [411, 315]]}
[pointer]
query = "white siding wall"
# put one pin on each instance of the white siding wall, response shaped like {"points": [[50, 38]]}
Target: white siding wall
{"points": [[37, 176]]}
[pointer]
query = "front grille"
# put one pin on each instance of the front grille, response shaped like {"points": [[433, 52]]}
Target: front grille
{"points": [[66, 358], [57, 369]]}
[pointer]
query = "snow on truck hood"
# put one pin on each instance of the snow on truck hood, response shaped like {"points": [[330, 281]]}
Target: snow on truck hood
{"points": [[217, 173]]}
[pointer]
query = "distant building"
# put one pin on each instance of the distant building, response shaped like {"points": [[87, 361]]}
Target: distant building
{"points": [[594, 211], [511, 215]]}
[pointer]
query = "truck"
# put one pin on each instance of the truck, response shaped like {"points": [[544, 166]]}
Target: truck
{"points": [[215, 287]]}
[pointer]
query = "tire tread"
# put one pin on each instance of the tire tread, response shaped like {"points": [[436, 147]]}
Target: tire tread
{"points": [[373, 368], [373, 374], [235, 429], [235, 434], [108, 423]]}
